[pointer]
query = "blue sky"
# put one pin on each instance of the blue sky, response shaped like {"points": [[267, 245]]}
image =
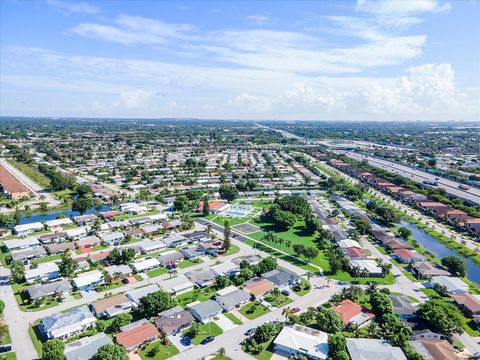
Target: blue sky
{"points": [[332, 60]]}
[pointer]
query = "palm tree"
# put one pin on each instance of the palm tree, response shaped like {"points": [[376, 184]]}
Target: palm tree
{"points": [[287, 312], [288, 244], [276, 293], [371, 288], [221, 351]]}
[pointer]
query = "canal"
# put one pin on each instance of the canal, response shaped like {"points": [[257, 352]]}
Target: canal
{"points": [[439, 250], [54, 215]]}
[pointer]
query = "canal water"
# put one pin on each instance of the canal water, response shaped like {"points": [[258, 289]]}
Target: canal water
{"points": [[440, 250], [54, 215]]}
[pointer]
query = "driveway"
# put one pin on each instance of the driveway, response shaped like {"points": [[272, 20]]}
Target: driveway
{"points": [[176, 340], [225, 323]]}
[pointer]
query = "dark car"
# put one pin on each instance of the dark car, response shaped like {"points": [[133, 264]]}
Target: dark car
{"points": [[186, 341], [5, 348], [250, 332], [125, 280], [207, 340], [285, 292]]}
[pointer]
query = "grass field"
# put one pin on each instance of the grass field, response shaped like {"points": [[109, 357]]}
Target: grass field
{"points": [[156, 350], [36, 337], [195, 295], [265, 354], [279, 300], [345, 276], [206, 330], [32, 173], [187, 263], [157, 272], [253, 310]]}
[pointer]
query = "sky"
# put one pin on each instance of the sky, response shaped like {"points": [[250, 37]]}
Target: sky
{"points": [[312, 60]]}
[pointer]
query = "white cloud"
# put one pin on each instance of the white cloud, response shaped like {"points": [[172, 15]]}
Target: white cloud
{"points": [[258, 19], [135, 99], [401, 7], [67, 7]]}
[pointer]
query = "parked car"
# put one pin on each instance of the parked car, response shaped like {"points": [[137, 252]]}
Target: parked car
{"points": [[207, 340], [250, 332], [186, 341], [285, 292], [5, 348], [295, 310]]}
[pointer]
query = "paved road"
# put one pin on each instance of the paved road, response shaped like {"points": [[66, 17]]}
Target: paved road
{"points": [[472, 194]]}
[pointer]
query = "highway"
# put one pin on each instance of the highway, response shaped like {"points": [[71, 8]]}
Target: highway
{"points": [[451, 187]]}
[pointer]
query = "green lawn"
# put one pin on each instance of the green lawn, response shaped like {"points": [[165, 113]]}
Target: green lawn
{"points": [[187, 263], [267, 351], [305, 287], [253, 310], [32, 173], [36, 337], [156, 350], [23, 300], [196, 295], [205, 330], [111, 286], [220, 357], [53, 257], [279, 300], [345, 276], [297, 234], [8, 356], [128, 216], [233, 250], [157, 272], [233, 319], [220, 220]]}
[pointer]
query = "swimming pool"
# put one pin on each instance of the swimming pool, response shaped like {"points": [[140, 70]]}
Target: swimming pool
{"points": [[238, 212]]}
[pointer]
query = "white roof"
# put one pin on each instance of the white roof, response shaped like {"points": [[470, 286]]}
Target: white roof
{"points": [[123, 269], [28, 227], [136, 294], [453, 284], [229, 289], [159, 216], [76, 231], [178, 283], [361, 349], [87, 278], [156, 244], [369, 265], [348, 243], [111, 236], [18, 243], [42, 269], [303, 339], [59, 222], [224, 268], [141, 265]]}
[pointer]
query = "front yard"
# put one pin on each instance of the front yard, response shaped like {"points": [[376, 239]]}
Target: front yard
{"points": [[253, 310], [157, 350], [278, 300], [196, 295], [205, 330]]}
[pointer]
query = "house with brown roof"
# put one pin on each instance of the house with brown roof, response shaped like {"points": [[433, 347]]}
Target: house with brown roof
{"points": [[111, 306], [397, 244], [408, 256], [431, 349], [174, 320], [100, 256], [57, 248], [471, 224], [88, 242], [355, 253], [138, 336], [468, 303], [351, 312], [451, 215], [425, 270]]}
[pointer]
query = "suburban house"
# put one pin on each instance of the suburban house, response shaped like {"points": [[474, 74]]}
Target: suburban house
{"points": [[175, 240], [361, 349], [258, 287], [58, 222], [297, 340], [58, 287], [116, 271], [198, 236], [172, 321], [227, 268], [178, 285], [231, 298], [425, 270], [152, 229], [88, 242], [28, 254], [112, 238], [403, 306], [250, 259], [454, 285], [152, 246], [170, 258], [282, 278], [355, 253], [52, 237], [85, 348], [215, 206], [193, 252], [27, 228], [435, 349], [408, 256], [18, 244], [201, 278], [83, 220], [57, 248], [351, 312], [370, 266], [88, 280], [133, 338], [468, 303], [44, 271], [64, 325], [205, 311], [111, 306], [144, 264], [99, 257], [136, 294], [77, 233]]}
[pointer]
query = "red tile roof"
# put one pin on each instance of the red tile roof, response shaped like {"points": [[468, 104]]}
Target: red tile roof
{"points": [[137, 336], [347, 310]]}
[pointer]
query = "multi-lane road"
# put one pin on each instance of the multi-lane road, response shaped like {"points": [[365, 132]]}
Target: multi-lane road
{"points": [[451, 187]]}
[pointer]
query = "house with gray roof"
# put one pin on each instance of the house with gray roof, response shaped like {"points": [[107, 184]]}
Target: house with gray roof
{"points": [[136, 294], [201, 278], [28, 254], [361, 349], [85, 348], [57, 248], [64, 325], [174, 320], [282, 278], [170, 258], [58, 287], [205, 311], [233, 299], [193, 252], [403, 307]]}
